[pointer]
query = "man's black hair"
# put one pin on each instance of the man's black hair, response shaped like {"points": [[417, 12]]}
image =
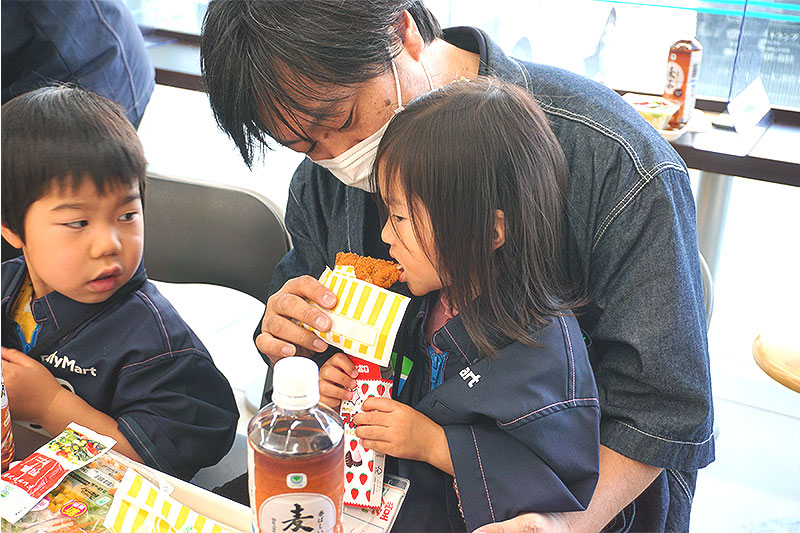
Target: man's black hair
{"points": [[270, 60], [63, 135]]}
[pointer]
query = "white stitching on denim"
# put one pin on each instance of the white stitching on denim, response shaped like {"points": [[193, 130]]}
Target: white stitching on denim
{"points": [[291, 191], [633, 191], [646, 176], [457, 346], [571, 356], [574, 401], [158, 314], [142, 443], [524, 74], [483, 477], [627, 199], [682, 483], [664, 438]]}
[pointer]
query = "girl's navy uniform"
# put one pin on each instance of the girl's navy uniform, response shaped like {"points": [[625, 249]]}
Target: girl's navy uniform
{"points": [[522, 427]]}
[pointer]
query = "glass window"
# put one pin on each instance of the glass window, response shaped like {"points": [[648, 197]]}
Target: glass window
{"points": [[624, 44]]}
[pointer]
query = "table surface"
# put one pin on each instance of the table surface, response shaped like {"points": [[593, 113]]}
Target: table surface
{"points": [[779, 358]]}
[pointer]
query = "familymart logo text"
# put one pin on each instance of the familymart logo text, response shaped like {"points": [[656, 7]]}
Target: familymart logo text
{"points": [[65, 362]]}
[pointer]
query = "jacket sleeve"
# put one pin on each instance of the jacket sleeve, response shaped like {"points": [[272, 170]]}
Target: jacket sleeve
{"points": [[177, 411], [548, 464], [649, 329], [522, 427]]}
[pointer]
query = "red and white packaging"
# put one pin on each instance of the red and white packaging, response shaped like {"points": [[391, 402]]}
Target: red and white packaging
{"points": [[363, 468], [31, 479]]}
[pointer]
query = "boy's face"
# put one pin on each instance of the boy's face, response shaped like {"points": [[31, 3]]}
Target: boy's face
{"points": [[404, 246], [82, 244]]}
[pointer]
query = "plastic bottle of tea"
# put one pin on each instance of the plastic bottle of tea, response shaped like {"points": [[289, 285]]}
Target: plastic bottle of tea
{"points": [[683, 70], [296, 456]]}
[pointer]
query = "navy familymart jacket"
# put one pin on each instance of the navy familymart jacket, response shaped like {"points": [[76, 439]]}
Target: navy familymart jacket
{"points": [[139, 363], [522, 427]]}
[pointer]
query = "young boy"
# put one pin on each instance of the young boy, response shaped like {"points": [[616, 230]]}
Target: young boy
{"points": [[85, 336]]}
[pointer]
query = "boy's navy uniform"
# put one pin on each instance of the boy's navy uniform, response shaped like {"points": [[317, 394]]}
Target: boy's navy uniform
{"points": [[139, 363], [522, 427], [630, 245]]}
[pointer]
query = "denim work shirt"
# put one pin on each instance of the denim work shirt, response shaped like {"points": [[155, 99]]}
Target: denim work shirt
{"points": [[630, 244], [139, 363], [95, 44]]}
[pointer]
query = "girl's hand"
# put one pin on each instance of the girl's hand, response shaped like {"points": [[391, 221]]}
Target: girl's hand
{"points": [[396, 429], [337, 380], [31, 388]]}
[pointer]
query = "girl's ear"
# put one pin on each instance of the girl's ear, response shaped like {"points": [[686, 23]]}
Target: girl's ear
{"points": [[12, 238], [409, 35], [499, 229]]}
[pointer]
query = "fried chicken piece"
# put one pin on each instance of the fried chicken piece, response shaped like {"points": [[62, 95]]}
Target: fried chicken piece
{"points": [[376, 271]]}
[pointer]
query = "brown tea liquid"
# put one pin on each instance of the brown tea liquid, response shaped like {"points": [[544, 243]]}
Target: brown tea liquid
{"points": [[276, 475], [296, 456]]}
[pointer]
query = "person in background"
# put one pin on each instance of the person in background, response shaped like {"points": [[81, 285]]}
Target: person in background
{"points": [[95, 44], [317, 76], [473, 180], [85, 336]]}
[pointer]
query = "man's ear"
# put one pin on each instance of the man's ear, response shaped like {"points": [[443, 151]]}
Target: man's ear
{"points": [[499, 229], [12, 238], [409, 35]]}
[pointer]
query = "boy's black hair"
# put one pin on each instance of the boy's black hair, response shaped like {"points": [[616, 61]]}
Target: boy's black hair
{"points": [[266, 60], [62, 135], [460, 153]]}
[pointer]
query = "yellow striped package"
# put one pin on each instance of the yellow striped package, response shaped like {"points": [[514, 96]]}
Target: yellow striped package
{"points": [[140, 507], [366, 317]]}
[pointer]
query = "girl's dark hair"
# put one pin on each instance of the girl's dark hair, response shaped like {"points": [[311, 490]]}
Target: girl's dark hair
{"points": [[271, 60], [462, 152], [62, 134]]}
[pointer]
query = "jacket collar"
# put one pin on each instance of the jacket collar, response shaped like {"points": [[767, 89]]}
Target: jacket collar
{"points": [[494, 62], [451, 337], [53, 307]]}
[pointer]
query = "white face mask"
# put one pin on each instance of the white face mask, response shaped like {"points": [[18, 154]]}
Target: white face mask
{"points": [[352, 167]]}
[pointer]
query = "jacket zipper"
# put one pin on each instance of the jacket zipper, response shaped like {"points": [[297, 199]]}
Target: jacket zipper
{"points": [[437, 366]]}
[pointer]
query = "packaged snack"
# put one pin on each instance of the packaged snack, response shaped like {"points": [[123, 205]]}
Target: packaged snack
{"points": [[366, 317], [363, 468], [79, 503], [381, 520], [141, 507], [25, 484]]}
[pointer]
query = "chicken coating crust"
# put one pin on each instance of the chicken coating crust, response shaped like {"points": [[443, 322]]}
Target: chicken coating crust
{"points": [[376, 271]]}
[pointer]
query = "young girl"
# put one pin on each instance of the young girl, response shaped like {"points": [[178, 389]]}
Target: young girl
{"points": [[499, 414]]}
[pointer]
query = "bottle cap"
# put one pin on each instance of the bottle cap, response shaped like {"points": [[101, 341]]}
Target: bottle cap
{"points": [[295, 383]]}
